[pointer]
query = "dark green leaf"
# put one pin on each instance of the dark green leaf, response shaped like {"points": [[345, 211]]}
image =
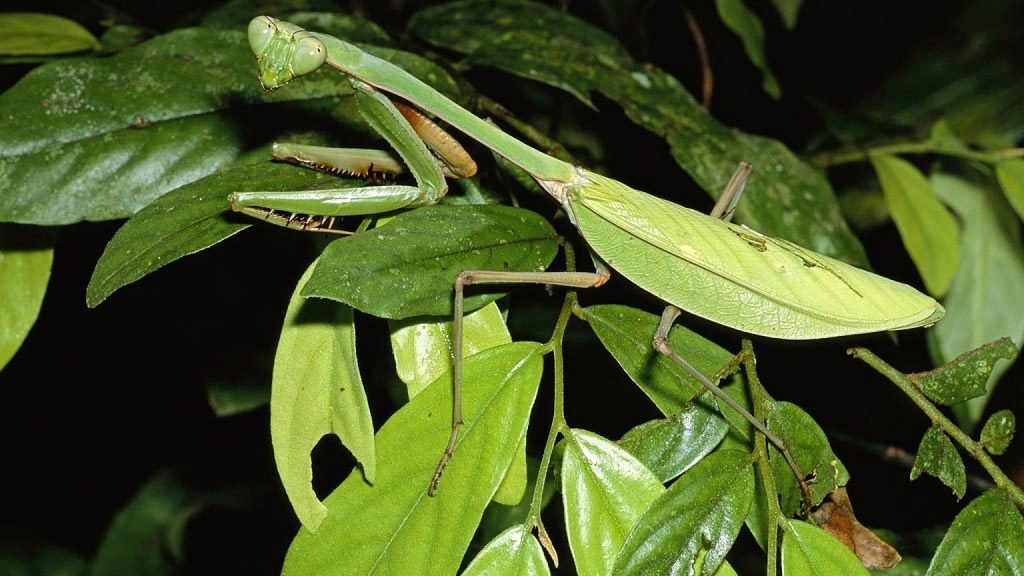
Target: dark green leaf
{"points": [[228, 398], [21, 560], [810, 551], [605, 490], [987, 537], [319, 15], [626, 333], [408, 266], [964, 377], [26, 255], [937, 456], [998, 431], [515, 552], [189, 219], [983, 304], [928, 229], [1010, 174], [785, 198], [32, 33], [317, 390], [812, 452], [670, 446], [374, 528], [745, 23], [703, 510], [788, 11]]}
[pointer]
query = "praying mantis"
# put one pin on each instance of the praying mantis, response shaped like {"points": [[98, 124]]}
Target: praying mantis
{"points": [[706, 265]]}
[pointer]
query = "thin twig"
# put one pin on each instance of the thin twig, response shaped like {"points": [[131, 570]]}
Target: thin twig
{"points": [[707, 78]]}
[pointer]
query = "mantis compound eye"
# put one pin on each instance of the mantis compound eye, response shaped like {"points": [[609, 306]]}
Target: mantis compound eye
{"points": [[261, 31], [309, 53]]}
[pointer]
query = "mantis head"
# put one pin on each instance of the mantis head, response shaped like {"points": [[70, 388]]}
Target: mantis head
{"points": [[283, 51]]}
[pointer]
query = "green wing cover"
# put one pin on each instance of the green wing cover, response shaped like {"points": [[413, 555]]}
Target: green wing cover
{"points": [[735, 276]]}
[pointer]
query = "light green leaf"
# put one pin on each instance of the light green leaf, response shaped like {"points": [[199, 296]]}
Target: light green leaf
{"points": [[317, 390], [810, 551], [928, 229], [987, 537], [605, 490], [964, 377], [786, 198], [983, 304], [811, 450], [500, 517], [408, 266], [670, 446], [190, 219], [998, 431], [788, 10], [703, 510], [626, 333], [746, 24], [938, 456], [423, 346], [26, 255], [1010, 174], [513, 486], [33, 33], [371, 529], [515, 552]]}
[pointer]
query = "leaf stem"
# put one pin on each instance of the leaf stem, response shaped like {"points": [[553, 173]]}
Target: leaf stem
{"points": [[771, 492], [924, 147], [939, 419]]}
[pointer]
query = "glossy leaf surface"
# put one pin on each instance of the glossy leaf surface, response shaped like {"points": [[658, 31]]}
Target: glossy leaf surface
{"points": [[809, 551], [987, 537], [515, 552]]}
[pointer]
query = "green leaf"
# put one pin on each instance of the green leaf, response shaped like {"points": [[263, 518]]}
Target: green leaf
{"points": [[928, 229], [703, 510], [746, 25], [813, 454], [983, 304], [26, 255], [500, 517], [408, 266], [515, 552], [512, 489], [189, 219], [670, 446], [1010, 174], [32, 33], [605, 490], [998, 432], [423, 347], [317, 390], [372, 529], [21, 560], [786, 198], [788, 10], [964, 377], [987, 537], [626, 333], [228, 398], [810, 551], [938, 456]]}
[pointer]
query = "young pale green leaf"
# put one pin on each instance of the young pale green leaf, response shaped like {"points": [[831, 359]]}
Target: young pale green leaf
{"points": [[423, 346], [788, 10], [998, 432], [408, 266], [983, 304], [928, 229], [1010, 174], [786, 198], [228, 398], [26, 255], [745, 23], [812, 452], [189, 219], [703, 510], [515, 552], [964, 377], [987, 537], [317, 390], [371, 529], [605, 490], [810, 551], [626, 333], [938, 456], [670, 446], [33, 33]]}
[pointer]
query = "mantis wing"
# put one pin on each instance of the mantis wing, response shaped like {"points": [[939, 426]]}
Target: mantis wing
{"points": [[735, 276]]}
